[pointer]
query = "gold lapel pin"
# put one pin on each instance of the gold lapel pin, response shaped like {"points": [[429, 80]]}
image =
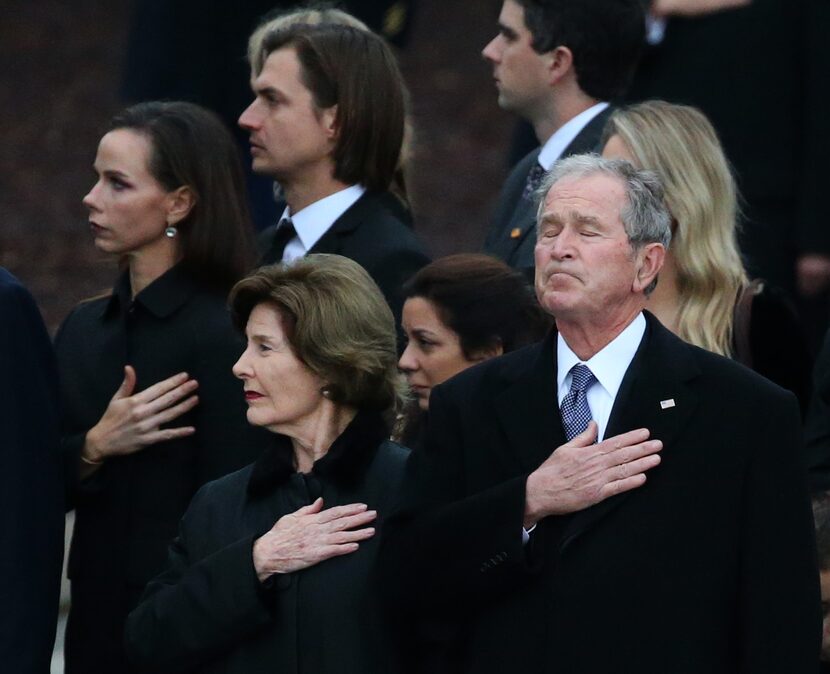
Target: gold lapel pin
{"points": [[665, 404], [515, 233]]}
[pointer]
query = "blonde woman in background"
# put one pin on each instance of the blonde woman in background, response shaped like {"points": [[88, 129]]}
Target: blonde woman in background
{"points": [[704, 294]]}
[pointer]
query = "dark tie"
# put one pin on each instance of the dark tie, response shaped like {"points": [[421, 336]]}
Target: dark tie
{"points": [[534, 179], [574, 409], [285, 232]]}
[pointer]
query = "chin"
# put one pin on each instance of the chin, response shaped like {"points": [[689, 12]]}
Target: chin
{"points": [[255, 418]]}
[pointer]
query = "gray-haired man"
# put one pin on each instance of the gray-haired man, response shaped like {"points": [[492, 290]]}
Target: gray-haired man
{"points": [[612, 499]]}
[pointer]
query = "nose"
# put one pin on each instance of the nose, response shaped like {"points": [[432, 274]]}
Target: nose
{"points": [[491, 50], [248, 120], [407, 363], [241, 368], [90, 199], [561, 247]]}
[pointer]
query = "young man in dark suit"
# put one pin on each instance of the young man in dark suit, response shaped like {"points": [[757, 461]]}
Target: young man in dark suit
{"points": [[557, 64], [668, 531], [31, 485], [327, 124]]}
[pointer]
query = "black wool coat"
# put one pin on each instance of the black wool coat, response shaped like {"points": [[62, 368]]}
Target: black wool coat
{"points": [[127, 513], [209, 613], [31, 485], [710, 566]]}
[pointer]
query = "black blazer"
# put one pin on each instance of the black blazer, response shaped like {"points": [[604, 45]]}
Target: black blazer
{"points": [[128, 511], [31, 485], [691, 573], [373, 233], [515, 214]]}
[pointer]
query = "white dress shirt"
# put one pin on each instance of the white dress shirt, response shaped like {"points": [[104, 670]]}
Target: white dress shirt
{"points": [[609, 367], [313, 221], [565, 134]]}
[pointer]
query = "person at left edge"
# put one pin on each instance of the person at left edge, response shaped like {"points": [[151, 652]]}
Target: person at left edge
{"points": [[333, 143], [31, 491], [274, 566], [150, 409]]}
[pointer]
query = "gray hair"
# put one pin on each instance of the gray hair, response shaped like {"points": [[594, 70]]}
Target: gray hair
{"points": [[645, 218]]}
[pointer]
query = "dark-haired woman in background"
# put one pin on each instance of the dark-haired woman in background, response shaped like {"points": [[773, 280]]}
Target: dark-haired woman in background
{"points": [[458, 311], [150, 408]]}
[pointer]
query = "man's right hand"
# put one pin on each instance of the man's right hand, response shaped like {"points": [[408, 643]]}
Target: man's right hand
{"points": [[580, 473]]}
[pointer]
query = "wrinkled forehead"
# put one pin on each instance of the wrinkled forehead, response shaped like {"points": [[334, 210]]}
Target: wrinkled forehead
{"points": [[595, 196]]}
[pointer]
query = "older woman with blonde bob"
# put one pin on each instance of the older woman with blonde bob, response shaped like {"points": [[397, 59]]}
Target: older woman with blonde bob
{"points": [[273, 567], [703, 294]]}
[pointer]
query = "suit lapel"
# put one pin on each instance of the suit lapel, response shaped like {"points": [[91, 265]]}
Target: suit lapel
{"points": [[332, 241], [589, 138], [655, 394], [527, 408]]}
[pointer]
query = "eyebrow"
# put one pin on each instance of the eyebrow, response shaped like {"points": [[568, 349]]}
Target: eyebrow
{"points": [[507, 31], [585, 219], [423, 332], [267, 90], [261, 338], [110, 173]]}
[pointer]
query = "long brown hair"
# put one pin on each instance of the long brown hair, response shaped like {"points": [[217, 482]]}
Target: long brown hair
{"points": [[356, 71]]}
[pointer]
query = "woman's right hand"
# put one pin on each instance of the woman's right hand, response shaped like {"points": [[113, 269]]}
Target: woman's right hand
{"points": [[131, 422], [311, 535]]}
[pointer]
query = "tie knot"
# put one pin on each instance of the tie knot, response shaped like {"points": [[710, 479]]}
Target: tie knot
{"points": [[581, 377], [534, 179]]}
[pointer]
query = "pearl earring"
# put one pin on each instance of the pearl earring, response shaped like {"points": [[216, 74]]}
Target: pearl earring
{"points": [[171, 232]]}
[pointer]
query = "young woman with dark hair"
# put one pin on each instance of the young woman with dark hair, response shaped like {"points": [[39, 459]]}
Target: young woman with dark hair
{"points": [[150, 408]]}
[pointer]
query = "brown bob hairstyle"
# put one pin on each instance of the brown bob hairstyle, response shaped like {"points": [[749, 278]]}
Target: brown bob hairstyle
{"points": [[337, 323], [485, 302], [191, 147], [356, 71]]}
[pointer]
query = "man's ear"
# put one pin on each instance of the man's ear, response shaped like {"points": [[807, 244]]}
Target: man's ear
{"points": [[487, 352], [328, 118], [179, 204], [650, 259], [559, 63]]}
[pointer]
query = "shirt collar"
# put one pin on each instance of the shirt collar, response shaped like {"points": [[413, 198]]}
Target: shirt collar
{"points": [[565, 134], [610, 364], [161, 298], [316, 219]]}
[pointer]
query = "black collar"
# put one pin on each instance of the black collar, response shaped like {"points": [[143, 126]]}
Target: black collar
{"points": [[345, 462], [161, 298]]}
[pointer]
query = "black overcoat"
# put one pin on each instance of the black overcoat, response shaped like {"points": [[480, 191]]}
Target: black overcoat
{"points": [[127, 513], [31, 485], [208, 612], [708, 567]]}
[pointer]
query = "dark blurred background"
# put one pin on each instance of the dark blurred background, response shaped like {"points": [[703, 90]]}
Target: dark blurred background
{"points": [[62, 78]]}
